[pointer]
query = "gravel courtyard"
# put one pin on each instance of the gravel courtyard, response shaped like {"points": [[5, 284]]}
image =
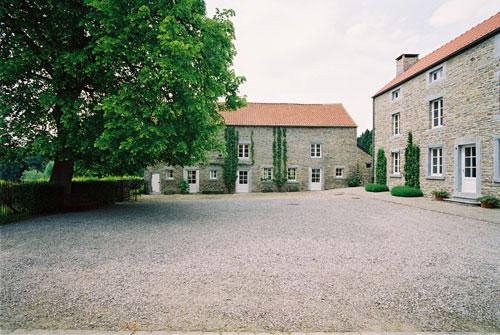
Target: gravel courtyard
{"points": [[328, 261]]}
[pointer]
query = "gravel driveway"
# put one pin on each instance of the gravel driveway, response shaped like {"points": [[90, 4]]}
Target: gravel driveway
{"points": [[318, 262]]}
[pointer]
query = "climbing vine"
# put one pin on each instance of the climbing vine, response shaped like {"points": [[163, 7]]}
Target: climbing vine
{"points": [[280, 175], [252, 148], [231, 161]]}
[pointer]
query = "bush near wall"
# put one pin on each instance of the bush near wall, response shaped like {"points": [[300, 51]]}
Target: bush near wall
{"points": [[376, 188], [30, 197], [406, 191]]}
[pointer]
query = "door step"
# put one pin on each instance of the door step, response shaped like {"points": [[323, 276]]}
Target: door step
{"points": [[464, 201]]}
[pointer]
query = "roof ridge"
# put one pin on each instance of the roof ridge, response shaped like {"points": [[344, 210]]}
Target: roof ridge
{"points": [[450, 41], [295, 103]]}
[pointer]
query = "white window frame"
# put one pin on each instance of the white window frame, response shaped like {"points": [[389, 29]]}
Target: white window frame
{"points": [[435, 75], [436, 152], [496, 161], [294, 174], [315, 150], [243, 151], [396, 123], [267, 173], [167, 174], [395, 94], [437, 112], [341, 169], [213, 174], [396, 163]]}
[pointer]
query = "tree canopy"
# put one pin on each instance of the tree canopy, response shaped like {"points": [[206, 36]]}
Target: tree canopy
{"points": [[365, 141], [114, 85]]}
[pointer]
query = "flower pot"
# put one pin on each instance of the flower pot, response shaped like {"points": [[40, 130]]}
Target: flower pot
{"points": [[486, 205]]}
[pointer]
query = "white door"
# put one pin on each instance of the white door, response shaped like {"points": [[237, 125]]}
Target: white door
{"points": [[193, 181], [315, 179], [469, 169], [155, 183], [243, 181]]}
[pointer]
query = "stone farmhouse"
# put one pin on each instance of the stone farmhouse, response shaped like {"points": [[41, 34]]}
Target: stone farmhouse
{"points": [[450, 101], [321, 151]]}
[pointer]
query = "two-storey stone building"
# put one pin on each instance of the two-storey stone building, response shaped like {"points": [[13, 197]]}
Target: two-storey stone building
{"points": [[321, 151], [450, 102]]}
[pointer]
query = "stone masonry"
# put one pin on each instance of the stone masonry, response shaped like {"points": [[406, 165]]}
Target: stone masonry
{"points": [[338, 148], [469, 88]]}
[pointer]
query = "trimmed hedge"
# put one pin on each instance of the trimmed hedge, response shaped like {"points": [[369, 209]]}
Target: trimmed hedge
{"points": [[376, 188], [32, 197], [406, 191]]}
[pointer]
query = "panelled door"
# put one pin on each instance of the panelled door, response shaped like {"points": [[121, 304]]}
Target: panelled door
{"points": [[315, 179], [155, 183], [243, 181], [469, 169], [193, 181]]}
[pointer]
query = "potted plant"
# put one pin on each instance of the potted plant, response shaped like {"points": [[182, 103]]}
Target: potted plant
{"points": [[440, 195], [488, 201]]}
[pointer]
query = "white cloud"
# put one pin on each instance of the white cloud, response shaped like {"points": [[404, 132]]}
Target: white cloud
{"points": [[454, 11]]}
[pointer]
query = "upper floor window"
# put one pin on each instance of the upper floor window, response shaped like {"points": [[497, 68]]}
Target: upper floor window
{"points": [[395, 94], [437, 113], [292, 174], [396, 129], [315, 150], [267, 173], [396, 161], [435, 75], [243, 151]]}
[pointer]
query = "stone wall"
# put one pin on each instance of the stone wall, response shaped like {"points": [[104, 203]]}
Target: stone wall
{"points": [[338, 146], [470, 91]]}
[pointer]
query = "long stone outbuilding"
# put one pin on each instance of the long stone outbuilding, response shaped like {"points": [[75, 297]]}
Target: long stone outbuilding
{"points": [[450, 101], [322, 151]]}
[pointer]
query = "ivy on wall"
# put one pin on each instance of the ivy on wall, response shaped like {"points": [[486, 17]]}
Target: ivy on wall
{"points": [[230, 166], [412, 163], [280, 174], [252, 148]]}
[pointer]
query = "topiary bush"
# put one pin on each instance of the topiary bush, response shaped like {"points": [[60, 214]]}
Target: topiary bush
{"points": [[381, 168], [354, 178], [376, 188], [406, 191]]}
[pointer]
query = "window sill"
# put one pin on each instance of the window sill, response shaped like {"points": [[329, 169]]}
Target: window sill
{"points": [[434, 177], [169, 179], [398, 175], [395, 137], [315, 157], [292, 181], [496, 179], [436, 129], [213, 179]]}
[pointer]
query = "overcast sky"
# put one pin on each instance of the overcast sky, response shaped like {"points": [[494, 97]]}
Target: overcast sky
{"points": [[324, 51]]}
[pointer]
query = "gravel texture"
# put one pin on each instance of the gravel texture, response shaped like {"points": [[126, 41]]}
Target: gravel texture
{"points": [[326, 261]]}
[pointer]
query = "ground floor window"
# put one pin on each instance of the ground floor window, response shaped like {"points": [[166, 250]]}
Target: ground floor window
{"points": [[170, 175], [243, 177], [396, 162], [213, 174], [339, 172], [267, 173], [436, 155], [292, 174], [315, 175], [191, 176]]}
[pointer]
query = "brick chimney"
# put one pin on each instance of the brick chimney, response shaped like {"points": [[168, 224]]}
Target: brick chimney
{"points": [[404, 62]]}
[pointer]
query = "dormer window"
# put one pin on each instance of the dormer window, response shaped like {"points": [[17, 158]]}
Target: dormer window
{"points": [[395, 94], [436, 75]]}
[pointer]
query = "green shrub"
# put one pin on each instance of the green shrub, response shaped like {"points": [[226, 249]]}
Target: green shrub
{"points": [[92, 191], [381, 168], [440, 194], [184, 186], [293, 188], [406, 191], [376, 188], [490, 200], [169, 190], [212, 192], [32, 197], [412, 163], [266, 188]]}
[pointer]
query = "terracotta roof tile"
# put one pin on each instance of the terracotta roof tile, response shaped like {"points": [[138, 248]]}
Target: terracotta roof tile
{"points": [[288, 114], [481, 30]]}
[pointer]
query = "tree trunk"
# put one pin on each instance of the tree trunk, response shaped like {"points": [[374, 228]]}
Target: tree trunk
{"points": [[62, 173]]}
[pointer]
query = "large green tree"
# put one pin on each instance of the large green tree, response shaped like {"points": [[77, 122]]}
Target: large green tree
{"points": [[114, 85], [365, 141]]}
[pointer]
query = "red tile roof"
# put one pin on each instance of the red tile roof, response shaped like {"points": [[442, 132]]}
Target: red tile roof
{"points": [[451, 48], [288, 114]]}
